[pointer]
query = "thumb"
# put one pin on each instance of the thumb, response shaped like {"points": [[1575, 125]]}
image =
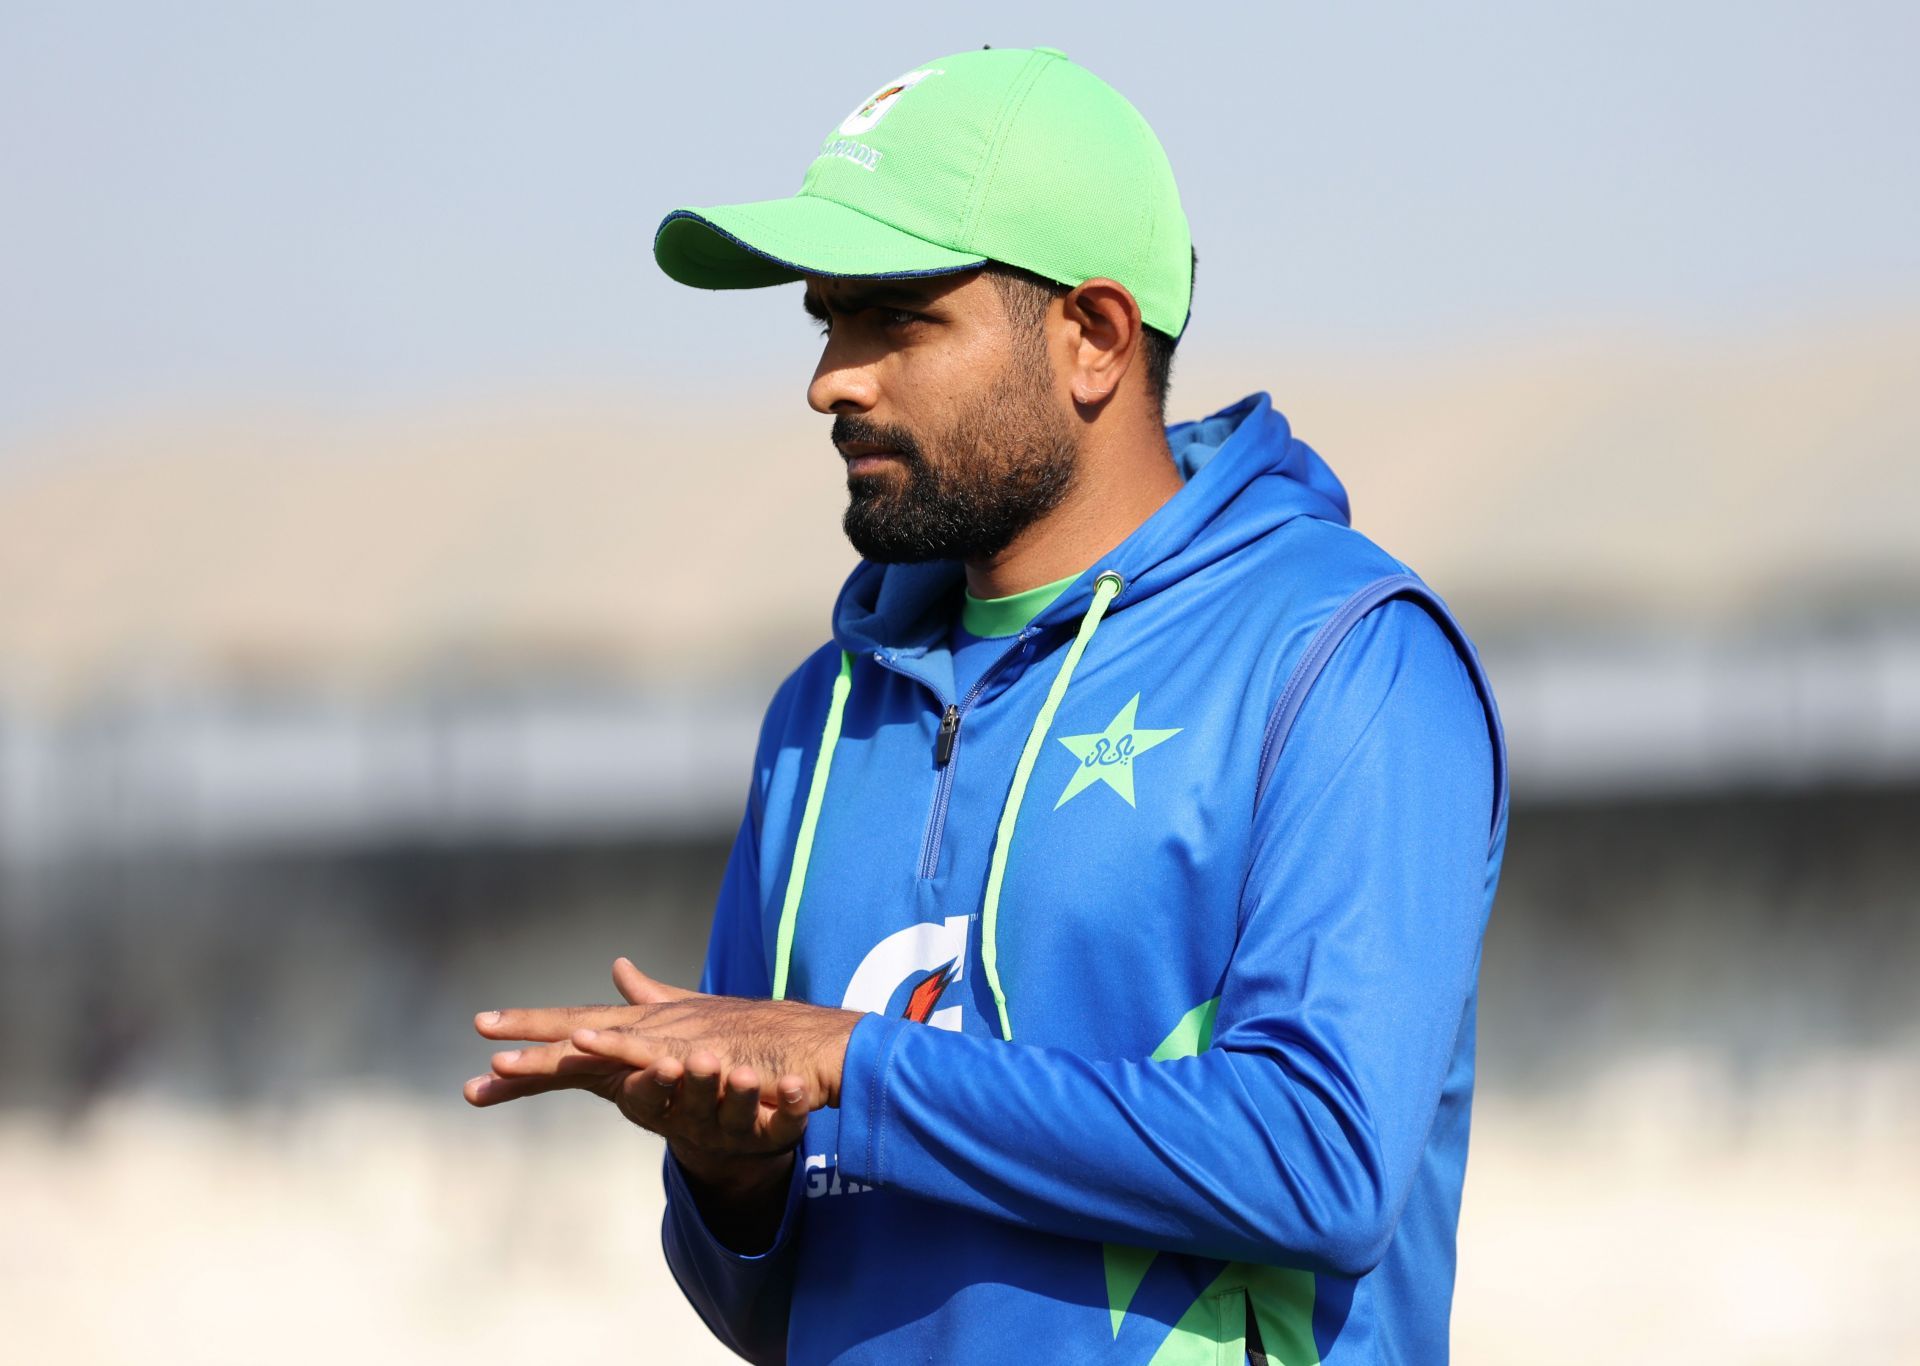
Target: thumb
{"points": [[640, 989]]}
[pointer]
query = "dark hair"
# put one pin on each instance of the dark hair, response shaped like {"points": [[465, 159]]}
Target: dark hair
{"points": [[1027, 295]]}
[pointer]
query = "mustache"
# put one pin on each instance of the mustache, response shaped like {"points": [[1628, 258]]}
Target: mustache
{"points": [[849, 428]]}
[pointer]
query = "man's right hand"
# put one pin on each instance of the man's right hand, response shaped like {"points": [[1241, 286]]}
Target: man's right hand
{"points": [[735, 1152], [716, 1136], [734, 1146]]}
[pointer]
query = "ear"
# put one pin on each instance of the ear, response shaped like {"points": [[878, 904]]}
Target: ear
{"points": [[1103, 336]]}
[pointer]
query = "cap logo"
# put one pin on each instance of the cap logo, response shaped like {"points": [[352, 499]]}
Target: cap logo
{"points": [[875, 106]]}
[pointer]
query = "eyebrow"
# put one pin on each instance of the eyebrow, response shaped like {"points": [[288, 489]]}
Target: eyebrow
{"points": [[875, 296]]}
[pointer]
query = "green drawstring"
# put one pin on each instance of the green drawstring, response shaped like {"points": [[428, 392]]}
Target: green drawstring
{"points": [[809, 819], [1105, 589]]}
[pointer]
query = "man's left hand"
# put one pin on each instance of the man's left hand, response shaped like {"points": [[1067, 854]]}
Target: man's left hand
{"points": [[582, 1046]]}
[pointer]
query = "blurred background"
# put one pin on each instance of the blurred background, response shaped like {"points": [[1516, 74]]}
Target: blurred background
{"points": [[393, 568]]}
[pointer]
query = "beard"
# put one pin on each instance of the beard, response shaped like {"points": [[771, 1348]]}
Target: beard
{"points": [[965, 493]]}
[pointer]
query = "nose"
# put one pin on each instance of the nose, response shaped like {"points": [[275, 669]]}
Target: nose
{"points": [[839, 384]]}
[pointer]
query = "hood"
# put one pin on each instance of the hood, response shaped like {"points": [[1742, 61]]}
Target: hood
{"points": [[1245, 473]]}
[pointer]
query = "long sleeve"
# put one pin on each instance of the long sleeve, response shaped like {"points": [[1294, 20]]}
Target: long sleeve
{"points": [[1294, 1139], [744, 1300]]}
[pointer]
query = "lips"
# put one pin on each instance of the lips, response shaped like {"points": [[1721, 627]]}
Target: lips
{"points": [[868, 447], [862, 459]]}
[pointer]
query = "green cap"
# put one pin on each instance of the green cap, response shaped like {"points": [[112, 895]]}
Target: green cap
{"points": [[1006, 154]]}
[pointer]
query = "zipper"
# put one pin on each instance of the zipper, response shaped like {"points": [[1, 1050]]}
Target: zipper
{"points": [[949, 730], [945, 746]]}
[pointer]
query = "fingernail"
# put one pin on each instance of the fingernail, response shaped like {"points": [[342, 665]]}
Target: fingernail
{"points": [[478, 1081], [489, 1017], [511, 1055], [587, 1033]]}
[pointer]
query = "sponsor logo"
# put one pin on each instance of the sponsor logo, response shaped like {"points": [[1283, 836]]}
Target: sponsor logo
{"points": [[932, 957], [823, 1178], [927, 991], [932, 954], [848, 150]]}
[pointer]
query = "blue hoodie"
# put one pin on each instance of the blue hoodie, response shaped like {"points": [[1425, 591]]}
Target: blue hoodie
{"points": [[1169, 946]]}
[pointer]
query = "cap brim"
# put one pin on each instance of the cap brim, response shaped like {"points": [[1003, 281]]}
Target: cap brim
{"points": [[746, 246]]}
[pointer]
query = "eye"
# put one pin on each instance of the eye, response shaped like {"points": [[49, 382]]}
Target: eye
{"points": [[898, 317], [823, 325]]}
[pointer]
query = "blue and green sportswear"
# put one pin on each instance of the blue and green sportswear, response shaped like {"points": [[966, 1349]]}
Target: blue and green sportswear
{"points": [[1165, 911]]}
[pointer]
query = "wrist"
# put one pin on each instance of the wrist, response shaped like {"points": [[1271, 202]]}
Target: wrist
{"points": [[830, 1074], [744, 1206], [733, 1177]]}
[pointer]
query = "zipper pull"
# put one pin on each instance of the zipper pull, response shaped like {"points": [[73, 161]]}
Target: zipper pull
{"points": [[949, 731]]}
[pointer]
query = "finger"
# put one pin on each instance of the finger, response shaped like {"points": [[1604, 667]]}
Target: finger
{"points": [[553, 1059], [549, 1022], [648, 1094], [620, 1045], [700, 1092], [739, 1108], [642, 990], [492, 1090], [783, 1125]]}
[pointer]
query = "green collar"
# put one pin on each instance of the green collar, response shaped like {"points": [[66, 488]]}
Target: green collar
{"points": [[1007, 616]]}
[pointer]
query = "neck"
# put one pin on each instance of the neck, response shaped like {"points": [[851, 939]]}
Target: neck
{"points": [[1121, 484]]}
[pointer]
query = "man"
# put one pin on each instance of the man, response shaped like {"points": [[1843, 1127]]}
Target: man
{"points": [[1093, 977]]}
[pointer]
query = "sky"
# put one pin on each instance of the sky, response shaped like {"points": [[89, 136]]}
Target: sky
{"points": [[362, 206]]}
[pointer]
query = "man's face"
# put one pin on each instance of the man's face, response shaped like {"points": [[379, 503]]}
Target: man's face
{"points": [[944, 408]]}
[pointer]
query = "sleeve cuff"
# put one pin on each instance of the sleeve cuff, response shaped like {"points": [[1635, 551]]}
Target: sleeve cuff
{"points": [[863, 1098], [680, 1197]]}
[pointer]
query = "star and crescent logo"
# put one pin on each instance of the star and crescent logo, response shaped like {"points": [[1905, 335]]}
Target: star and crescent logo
{"points": [[1108, 757], [875, 106]]}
